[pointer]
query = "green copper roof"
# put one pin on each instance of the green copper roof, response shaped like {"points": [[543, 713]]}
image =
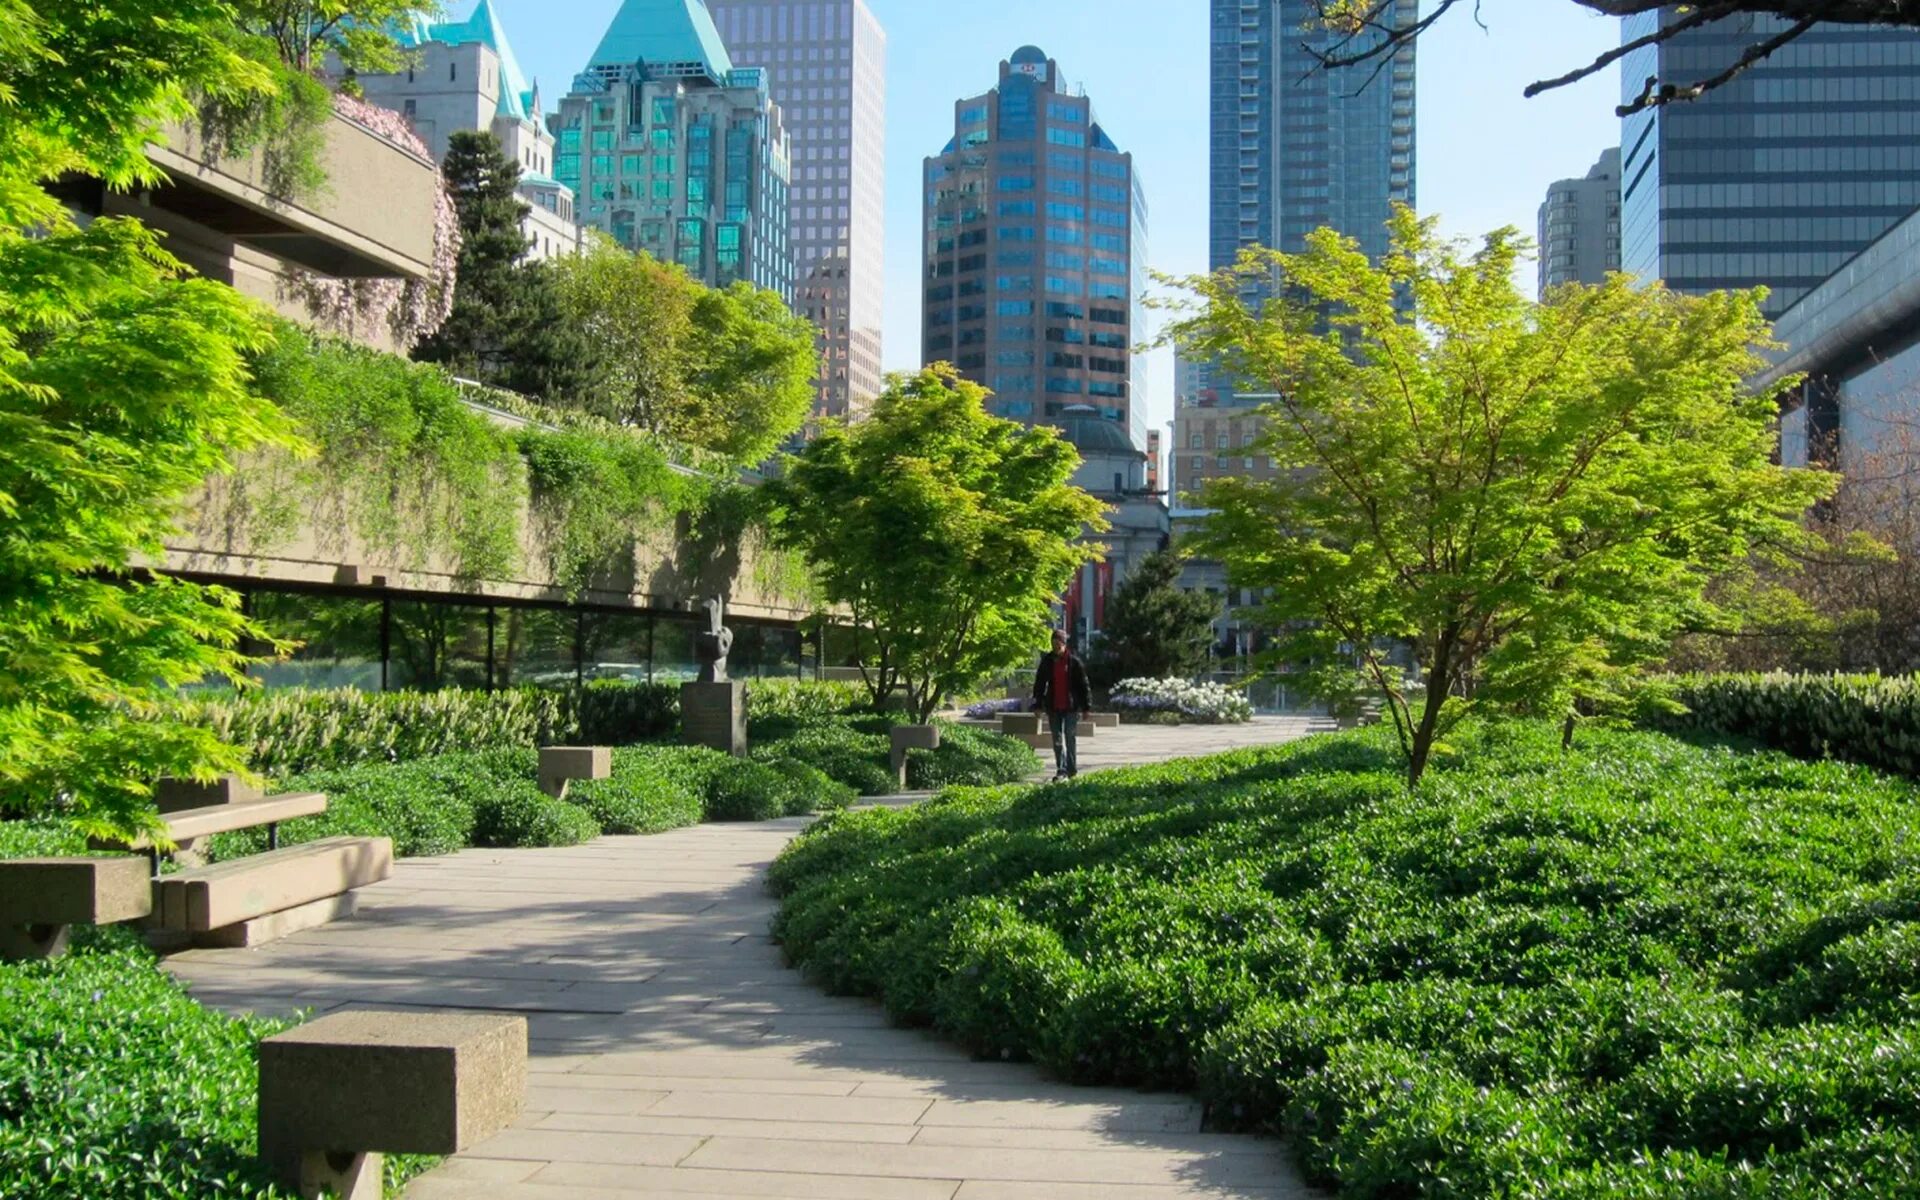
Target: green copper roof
{"points": [[483, 26], [663, 31]]}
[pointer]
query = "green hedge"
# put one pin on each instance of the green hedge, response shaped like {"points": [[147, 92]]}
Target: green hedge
{"points": [[857, 751], [115, 1085], [1641, 969], [292, 731], [1866, 719], [286, 732]]}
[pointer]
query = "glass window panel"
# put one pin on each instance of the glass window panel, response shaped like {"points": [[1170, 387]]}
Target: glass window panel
{"points": [[673, 659], [533, 647], [617, 646], [339, 641], [436, 646]]}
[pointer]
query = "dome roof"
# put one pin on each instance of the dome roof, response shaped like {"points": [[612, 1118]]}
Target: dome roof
{"points": [[1028, 54], [1094, 435]]}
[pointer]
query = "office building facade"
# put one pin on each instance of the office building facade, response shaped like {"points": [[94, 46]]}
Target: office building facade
{"points": [[1035, 245], [675, 151], [463, 75], [1580, 226], [1295, 147], [1778, 177], [826, 62]]}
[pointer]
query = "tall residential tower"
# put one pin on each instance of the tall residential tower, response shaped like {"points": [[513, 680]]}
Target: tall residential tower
{"points": [[1779, 176], [1580, 226], [827, 65], [1035, 253], [672, 149], [1296, 147]]}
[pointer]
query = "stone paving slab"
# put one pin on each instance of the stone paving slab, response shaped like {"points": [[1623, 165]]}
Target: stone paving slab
{"points": [[674, 1055]]}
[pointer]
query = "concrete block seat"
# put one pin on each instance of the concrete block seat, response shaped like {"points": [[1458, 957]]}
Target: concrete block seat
{"points": [[41, 899], [337, 1093], [192, 824], [246, 901]]}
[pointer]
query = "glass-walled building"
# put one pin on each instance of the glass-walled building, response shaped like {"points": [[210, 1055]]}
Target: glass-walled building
{"points": [[1778, 177], [827, 67], [1295, 147], [382, 642], [673, 150], [1035, 253], [1580, 226]]}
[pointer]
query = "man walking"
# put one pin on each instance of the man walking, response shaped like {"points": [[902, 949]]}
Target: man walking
{"points": [[1060, 690]]}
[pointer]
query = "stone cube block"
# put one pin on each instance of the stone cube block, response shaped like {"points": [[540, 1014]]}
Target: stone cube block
{"points": [[1019, 724], [396, 1083], [916, 737], [75, 891], [559, 765]]}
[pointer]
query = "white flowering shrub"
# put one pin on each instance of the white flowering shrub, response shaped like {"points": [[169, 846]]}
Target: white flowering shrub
{"points": [[1195, 703]]}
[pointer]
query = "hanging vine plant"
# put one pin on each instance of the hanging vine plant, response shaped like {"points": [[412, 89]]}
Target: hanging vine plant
{"points": [[591, 495]]}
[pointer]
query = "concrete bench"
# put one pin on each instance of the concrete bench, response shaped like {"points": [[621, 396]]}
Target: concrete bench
{"points": [[247, 901], [340, 1092], [41, 899], [559, 765], [910, 737], [1020, 724], [1100, 720]]}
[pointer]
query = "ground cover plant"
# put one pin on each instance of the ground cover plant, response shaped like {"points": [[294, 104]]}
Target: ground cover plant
{"points": [[1644, 968], [855, 751], [115, 1085]]}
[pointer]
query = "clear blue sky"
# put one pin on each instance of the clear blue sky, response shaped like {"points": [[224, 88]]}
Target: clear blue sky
{"points": [[1486, 155]]}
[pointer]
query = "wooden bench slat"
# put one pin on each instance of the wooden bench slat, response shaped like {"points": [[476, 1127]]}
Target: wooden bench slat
{"points": [[193, 823], [230, 892]]}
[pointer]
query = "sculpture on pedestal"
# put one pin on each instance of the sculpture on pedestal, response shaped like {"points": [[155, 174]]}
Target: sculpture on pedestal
{"points": [[712, 644]]}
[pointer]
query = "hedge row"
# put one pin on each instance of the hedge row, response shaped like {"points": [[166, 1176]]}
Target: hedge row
{"points": [[1640, 969], [1868, 719], [287, 732]]}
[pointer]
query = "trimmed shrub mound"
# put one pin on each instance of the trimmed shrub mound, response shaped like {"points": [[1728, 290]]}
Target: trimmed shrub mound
{"points": [[855, 751], [1641, 969], [115, 1085]]}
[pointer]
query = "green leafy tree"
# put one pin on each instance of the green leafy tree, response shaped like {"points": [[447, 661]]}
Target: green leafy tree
{"points": [[729, 371], [358, 33], [944, 532], [123, 385], [507, 327], [1155, 628], [1535, 496]]}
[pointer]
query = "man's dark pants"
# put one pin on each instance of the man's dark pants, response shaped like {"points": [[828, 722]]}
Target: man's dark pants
{"points": [[1065, 727]]}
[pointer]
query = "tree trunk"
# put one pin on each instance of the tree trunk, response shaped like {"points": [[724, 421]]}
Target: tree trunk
{"points": [[1439, 685], [1566, 733]]}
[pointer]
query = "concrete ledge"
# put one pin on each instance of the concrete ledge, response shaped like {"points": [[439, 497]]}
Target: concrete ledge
{"points": [[230, 892], [560, 765], [1019, 724], [1102, 720]]}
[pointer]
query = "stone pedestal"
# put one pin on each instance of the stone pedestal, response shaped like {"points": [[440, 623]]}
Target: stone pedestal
{"points": [[337, 1093], [559, 765], [715, 715], [910, 737]]}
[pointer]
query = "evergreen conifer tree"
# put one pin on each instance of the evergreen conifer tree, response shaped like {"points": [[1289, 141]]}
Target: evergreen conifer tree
{"points": [[1154, 629]]}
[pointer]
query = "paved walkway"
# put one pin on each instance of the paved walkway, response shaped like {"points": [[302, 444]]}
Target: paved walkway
{"points": [[675, 1056]]}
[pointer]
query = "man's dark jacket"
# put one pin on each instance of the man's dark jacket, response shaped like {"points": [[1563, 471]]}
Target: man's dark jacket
{"points": [[1076, 676]]}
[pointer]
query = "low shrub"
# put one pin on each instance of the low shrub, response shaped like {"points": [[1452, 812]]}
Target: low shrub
{"points": [[1868, 719], [1642, 968], [39, 839], [983, 710], [751, 791], [427, 807], [116, 1085], [519, 814], [851, 751], [1156, 700], [970, 757], [653, 789]]}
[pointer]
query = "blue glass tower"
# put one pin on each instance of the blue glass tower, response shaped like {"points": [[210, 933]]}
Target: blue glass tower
{"points": [[1295, 147]]}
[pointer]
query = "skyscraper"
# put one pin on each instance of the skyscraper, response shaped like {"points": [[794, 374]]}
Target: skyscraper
{"points": [[673, 150], [1296, 147], [1035, 249], [1779, 176], [827, 65], [1580, 226]]}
